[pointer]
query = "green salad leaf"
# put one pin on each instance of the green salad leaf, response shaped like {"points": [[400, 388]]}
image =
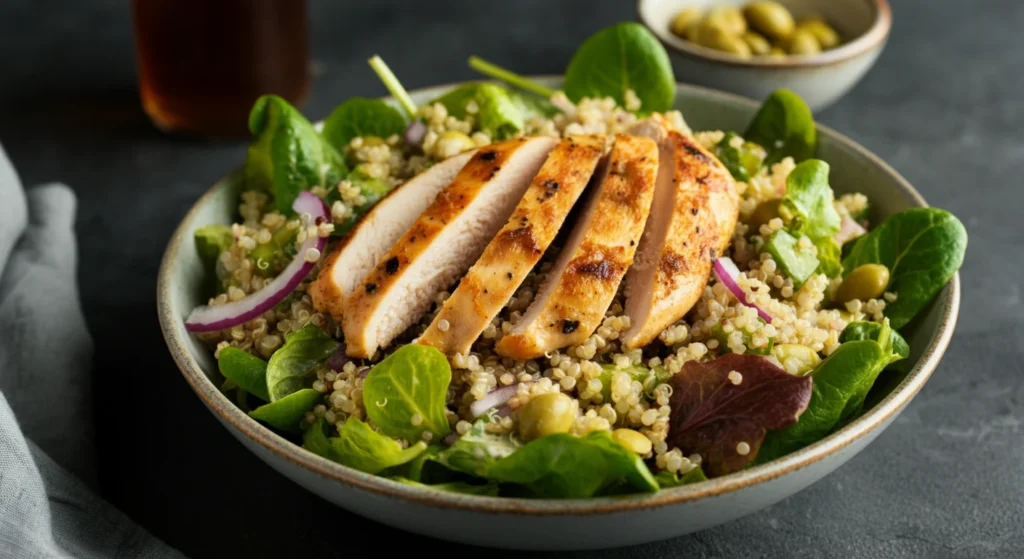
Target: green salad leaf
{"points": [[405, 393], [477, 451], [289, 367], [287, 155], [246, 370], [362, 117], [498, 114], [922, 248], [211, 240], [829, 258], [623, 57], [285, 414], [565, 466], [359, 446], [742, 162], [870, 331], [808, 206], [417, 468], [784, 127], [668, 479], [797, 263]]}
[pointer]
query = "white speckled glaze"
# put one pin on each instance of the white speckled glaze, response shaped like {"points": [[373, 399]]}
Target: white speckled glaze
{"points": [[820, 79], [566, 524]]}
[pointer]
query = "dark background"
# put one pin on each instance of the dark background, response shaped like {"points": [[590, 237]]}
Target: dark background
{"points": [[943, 105]]}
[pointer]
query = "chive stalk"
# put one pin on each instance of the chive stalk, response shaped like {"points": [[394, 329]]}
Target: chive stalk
{"points": [[511, 78], [393, 85]]}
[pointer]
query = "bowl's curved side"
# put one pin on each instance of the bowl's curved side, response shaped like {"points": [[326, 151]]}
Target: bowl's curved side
{"points": [[648, 517]]}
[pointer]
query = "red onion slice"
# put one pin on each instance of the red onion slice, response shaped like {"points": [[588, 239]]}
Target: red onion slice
{"points": [[493, 399], [727, 273], [848, 229], [415, 133], [211, 318]]}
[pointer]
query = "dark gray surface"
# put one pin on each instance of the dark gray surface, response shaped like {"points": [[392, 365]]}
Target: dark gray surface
{"points": [[943, 106]]}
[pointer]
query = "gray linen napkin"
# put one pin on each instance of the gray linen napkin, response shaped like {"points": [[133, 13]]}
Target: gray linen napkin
{"points": [[47, 453]]}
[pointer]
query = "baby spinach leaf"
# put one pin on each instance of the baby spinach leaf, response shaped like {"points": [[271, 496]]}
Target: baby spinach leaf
{"points": [[799, 264], [487, 489], [565, 466], [285, 414], [289, 367], [211, 240], [359, 446], [287, 155], [829, 260], [784, 127], [410, 383], [668, 479], [711, 415], [246, 370], [497, 113], [361, 117], [807, 208], [742, 162], [871, 331], [477, 451], [619, 58], [922, 247], [416, 469]]}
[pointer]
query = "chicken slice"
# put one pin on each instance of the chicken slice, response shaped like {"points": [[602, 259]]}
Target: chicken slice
{"points": [[683, 235], [510, 256], [376, 233], [582, 283], [442, 244]]}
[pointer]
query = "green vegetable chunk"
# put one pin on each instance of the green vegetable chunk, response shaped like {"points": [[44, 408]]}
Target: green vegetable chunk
{"points": [[362, 117], [498, 114], [212, 240], [619, 58], [799, 264], [649, 378], [784, 127], [405, 393], [564, 466], [922, 248], [668, 479], [829, 259], [718, 332], [246, 370], [742, 162], [477, 451], [360, 447], [807, 207], [285, 414], [289, 367], [287, 155]]}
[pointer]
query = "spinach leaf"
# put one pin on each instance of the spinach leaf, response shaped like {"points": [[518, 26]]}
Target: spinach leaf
{"points": [[808, 206], [372, 189], [289, 367], [619, 58], [668, 479], [287, 155], [285, 414], [477, 451], [361, 117], [246, 370], [829, 260], [487, 489], [497, 113], [212, 240], [565, 466], [784, 127], [712, 414], [742, 162], [416, 469], [871, 331], [797, 263], [359, 446], [405, 393], [922, 247]]}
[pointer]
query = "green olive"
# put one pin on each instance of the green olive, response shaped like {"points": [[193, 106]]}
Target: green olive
{"points": [[803, 42], [728, 19], [801, 358], [823, 32], [684, 20], [547, 414], [716, 38], [757, 43], [452, 143], [763, 213], [769, 18], [867, 281], [633, 440]]}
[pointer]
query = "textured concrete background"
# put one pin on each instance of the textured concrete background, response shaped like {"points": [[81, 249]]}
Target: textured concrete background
{"points": [[944, 106]]}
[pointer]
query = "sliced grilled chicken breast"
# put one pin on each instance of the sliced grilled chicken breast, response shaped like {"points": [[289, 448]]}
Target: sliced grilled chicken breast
{"points": [[582, 283], [683, 236], [377, 232], [442, 244], [510, 256]]}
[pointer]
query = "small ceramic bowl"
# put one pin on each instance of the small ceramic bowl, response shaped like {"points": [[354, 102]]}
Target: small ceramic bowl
{"points": [[820, 79], [581, 523]]}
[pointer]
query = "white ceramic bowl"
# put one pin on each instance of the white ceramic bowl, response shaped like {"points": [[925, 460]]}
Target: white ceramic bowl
{"points": [[820, 79], [565, 524]]}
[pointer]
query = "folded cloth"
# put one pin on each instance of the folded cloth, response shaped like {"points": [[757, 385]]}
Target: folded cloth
{"points": [[48, 507]]}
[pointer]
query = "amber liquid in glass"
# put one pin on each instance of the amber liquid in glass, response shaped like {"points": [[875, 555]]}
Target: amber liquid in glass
{"points": [[203, 63]]}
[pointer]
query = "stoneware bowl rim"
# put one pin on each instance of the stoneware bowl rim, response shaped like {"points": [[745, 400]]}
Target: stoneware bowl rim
{"points": [[869, 40], [874, 418]]}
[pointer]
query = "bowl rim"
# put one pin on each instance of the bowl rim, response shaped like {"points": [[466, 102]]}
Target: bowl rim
{"points": [[284, 449], [874, 37]]}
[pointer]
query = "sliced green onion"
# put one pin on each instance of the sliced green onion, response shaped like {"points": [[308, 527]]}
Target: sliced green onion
{"points": [[511, 78], [393, 85]]}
